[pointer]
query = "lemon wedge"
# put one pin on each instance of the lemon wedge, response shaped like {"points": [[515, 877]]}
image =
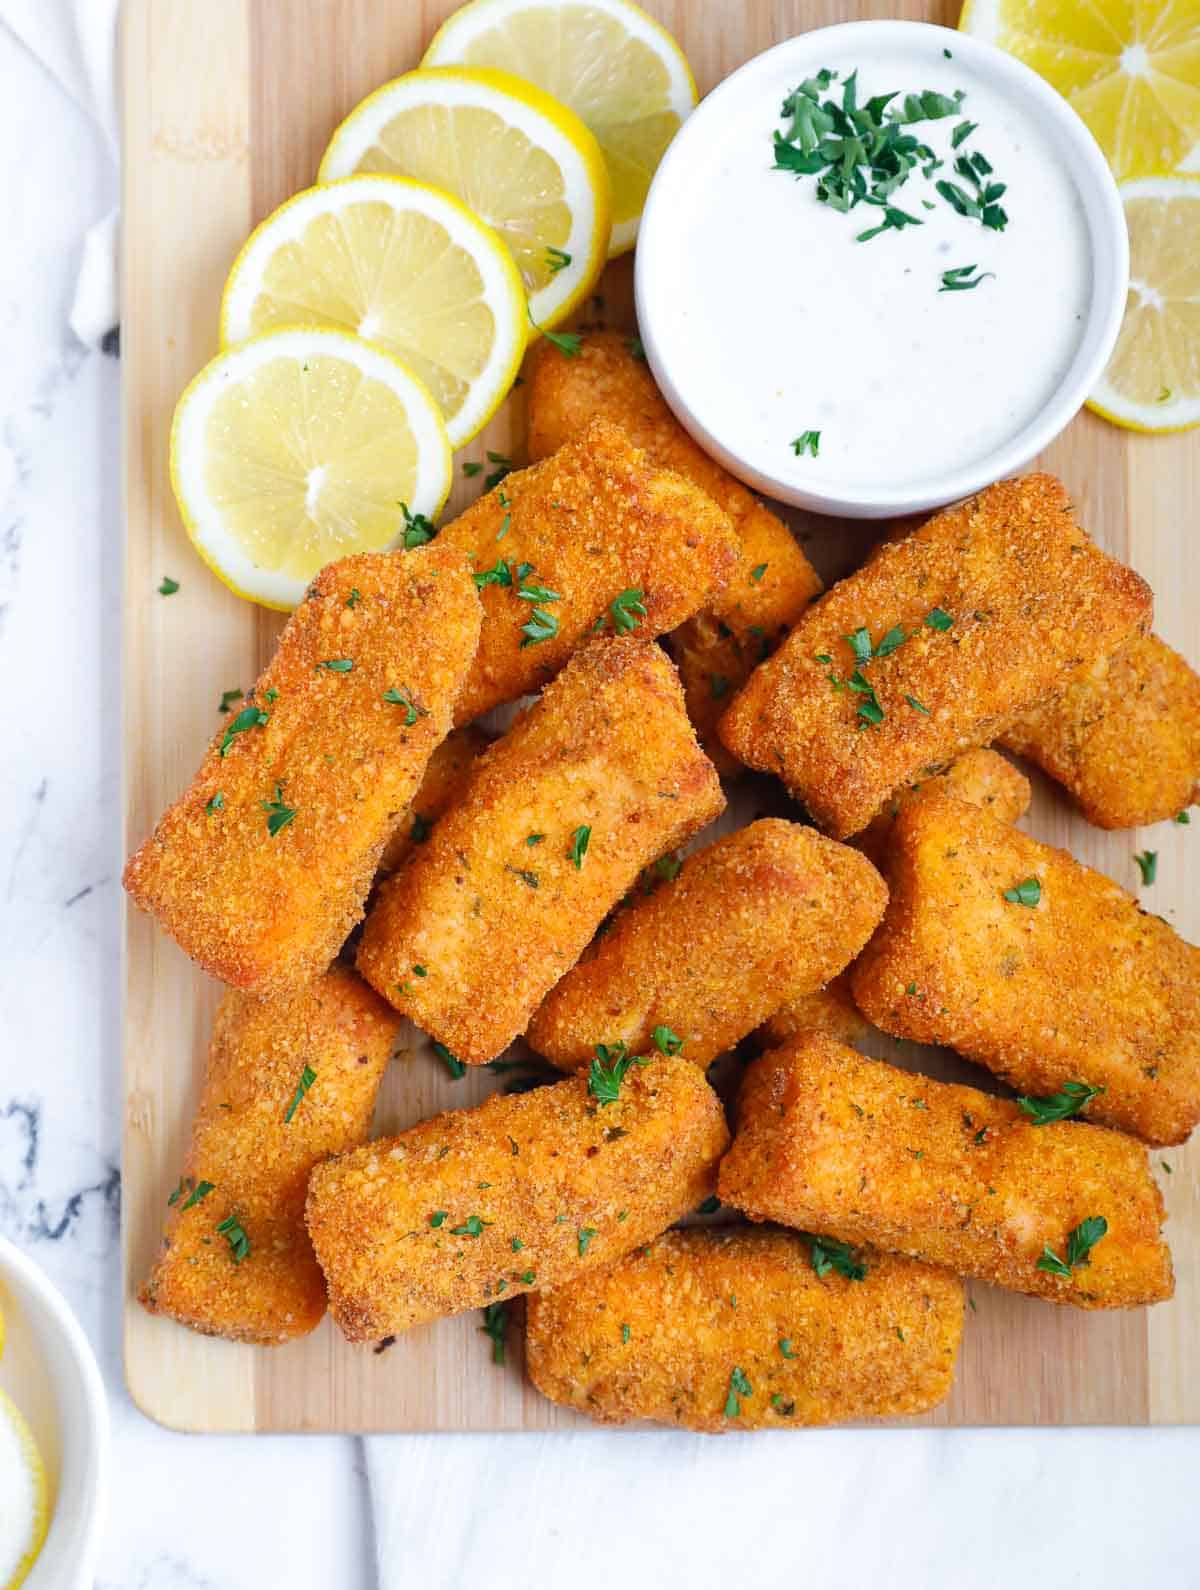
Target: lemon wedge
{"points": [[1152, 382], [618, 70], [24, 1510], [1132, 72], [524, 164], [298, 447], [405, 267]]}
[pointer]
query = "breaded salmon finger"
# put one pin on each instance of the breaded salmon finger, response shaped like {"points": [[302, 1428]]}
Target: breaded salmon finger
{"points": [[728, 1329], [555, 546], [981, 778], [831, 1142], [260, 869], [716, 650], [1044, 971], [446, 778], [932, 648], [596, 779], [829, 1010], [1123, 737], [764, 914], [290, 1080], [524, 1191]]}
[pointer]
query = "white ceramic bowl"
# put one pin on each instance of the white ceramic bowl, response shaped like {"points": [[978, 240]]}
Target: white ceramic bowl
{"points": [[752, 91], [49, 1370]]}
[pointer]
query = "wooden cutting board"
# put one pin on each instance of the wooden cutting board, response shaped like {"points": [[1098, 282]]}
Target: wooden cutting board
{"points": [[228, 107]]}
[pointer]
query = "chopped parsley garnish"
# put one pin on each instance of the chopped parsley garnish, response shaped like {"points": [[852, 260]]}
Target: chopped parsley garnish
{"points": [[807, 442], [962, 132], [625, 1333], [870, 713], [495, 1328], [247, 718], [636, 351], [627, 610], [608, 1069], [739, 1387], [437, 1218], [938, 619], [504, 466], [517, 1244], [500, 573], [526, 877], [216, 804], [199, 1191], [417, 528], [279, 813], [307, 1077], [354, 598], [472, 1226], [962, 278], [1027, 892], [757, 572], [239, 1243], [451, 1061], [1080, 1242], [579, 844], [666, 1041], [828, 1254], [982, 203], [667, 868], [586, 1233], [537, 593], [539, 626], [710, 1205], [1147, 861], [168, 586], [534, 839], [1184, 817], [916, 705], [1060, 1106], [557, 259], [337, 665], [472, 468], [228, 697], [785, 1347], [402, 698]]}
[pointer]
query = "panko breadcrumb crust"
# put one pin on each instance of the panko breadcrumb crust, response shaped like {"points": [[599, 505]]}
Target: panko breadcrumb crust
{"points": [[762, 915], [716, 650], [446, 777], [595, 780], [268, 910], [527, 1190], [1081, 986], [732, 1329], [1028, 599], [1123, 737], [830, 1010], [831, 1142], [258, 1161], [981, 778], [591, 522]]}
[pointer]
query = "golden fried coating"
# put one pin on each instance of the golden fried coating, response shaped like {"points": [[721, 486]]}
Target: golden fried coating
{"points": [[716, 650], [236, 1259], [975, 617], [1070, 981], [831, 1142], [596, 779], [830, 1010], [728, 1329], [1124, 737], [553, 547], [764, 914], [981, 778], [260, 869], [527, 1190], [446, 778]]}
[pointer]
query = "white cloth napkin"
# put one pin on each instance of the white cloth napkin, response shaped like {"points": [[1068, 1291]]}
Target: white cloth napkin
{"points": [[833, 1510]]}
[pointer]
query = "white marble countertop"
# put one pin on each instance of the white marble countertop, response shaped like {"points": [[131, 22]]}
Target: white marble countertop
{"points": [[1102, 1509]]}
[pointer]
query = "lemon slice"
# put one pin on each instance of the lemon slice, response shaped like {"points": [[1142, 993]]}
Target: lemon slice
{"points": [[521, 161], [1152, 382], [1132, 72], [24, 1511], [622, 74], [404, 266], [298, 447]]}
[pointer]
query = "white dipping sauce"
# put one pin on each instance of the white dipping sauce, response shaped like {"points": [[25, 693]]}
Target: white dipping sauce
{"points": [[778, 322]]}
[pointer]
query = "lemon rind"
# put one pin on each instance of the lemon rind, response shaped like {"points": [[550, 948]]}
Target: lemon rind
{"points": [[41, 1501], [265, 587]]}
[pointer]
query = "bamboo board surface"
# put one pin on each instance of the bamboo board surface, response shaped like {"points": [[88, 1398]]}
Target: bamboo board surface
{"points": [[228, 107]]}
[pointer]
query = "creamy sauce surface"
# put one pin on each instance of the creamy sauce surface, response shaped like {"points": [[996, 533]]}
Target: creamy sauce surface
{"points": [[779, 322]]}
